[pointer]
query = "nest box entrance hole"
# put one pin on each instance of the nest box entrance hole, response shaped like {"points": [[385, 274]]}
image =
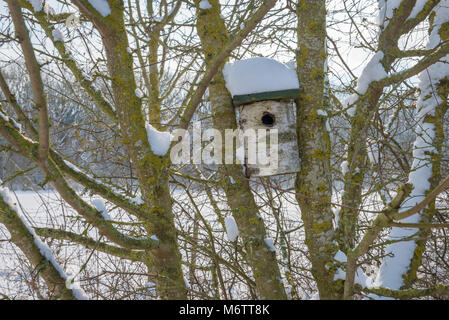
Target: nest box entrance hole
{"points": [[268, 119]]}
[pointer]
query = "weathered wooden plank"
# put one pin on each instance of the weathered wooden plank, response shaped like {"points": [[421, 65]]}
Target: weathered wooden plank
{"points": [[281, 154]]}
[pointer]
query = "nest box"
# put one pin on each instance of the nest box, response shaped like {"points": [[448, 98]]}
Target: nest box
{"points": [[270, 110], [263, 92]]}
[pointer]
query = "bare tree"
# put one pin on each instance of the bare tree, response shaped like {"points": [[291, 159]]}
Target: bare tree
{"points": [[365, 217]]}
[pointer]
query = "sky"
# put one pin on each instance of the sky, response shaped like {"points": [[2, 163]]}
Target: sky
{"points": [[344, 34]]}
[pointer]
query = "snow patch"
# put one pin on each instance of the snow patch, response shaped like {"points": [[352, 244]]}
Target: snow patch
{"points": [[37, 5], [139, 93], [156, 18], [232, 231], [372, 150], [386, 11], [321, 112], [101, 207], [159, 140], [4, 116], [204, 4], [340, 256], [270, 243], [256, 75], [373, 71], [359, 278], [344, 167], [102, 6], [419, 5], [57, 35]]}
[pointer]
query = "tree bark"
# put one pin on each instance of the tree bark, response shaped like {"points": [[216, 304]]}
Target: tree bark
{"points": [[214, 36], [314, 178]]}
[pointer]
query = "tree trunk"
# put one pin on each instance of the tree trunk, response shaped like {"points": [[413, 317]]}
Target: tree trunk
{"points": [[213, 34], [314, 179]]}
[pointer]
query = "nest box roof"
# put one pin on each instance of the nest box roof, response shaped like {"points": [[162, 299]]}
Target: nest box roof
{"points": [[260, 78], [271, 95]]}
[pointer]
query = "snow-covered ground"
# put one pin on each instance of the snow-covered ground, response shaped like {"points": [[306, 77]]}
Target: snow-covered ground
{"points": [[47, 209], [107, 277]]}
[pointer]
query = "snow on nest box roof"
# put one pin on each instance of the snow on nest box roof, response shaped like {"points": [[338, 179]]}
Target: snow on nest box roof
{"points": [[260, 78]]}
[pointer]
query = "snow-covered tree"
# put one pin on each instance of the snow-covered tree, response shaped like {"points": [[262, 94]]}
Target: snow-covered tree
{"points": [[92, 91]]}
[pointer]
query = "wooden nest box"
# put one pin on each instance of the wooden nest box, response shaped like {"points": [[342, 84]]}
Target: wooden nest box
{"points": [[273, 110]]}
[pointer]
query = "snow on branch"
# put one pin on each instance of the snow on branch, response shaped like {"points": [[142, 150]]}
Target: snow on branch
{"points": [[204, 4], [45, 250], [57, 35], [386, 11], [373, 71], [419, 6], [232, 231], [102, 6], [159, 140], [37, 5], [400, 254], [101, 207]]}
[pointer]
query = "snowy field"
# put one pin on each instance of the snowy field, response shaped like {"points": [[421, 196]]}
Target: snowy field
{"points": [[18, 278], [106, 277], [100, 271]]}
